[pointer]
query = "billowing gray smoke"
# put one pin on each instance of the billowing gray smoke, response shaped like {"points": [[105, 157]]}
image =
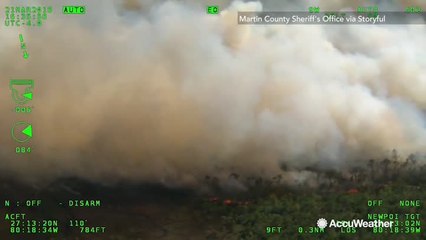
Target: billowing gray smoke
{"points": [[160, 91]]}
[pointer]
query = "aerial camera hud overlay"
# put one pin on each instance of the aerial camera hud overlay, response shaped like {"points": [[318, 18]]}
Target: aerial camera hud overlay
{"points": [[216, 120]]}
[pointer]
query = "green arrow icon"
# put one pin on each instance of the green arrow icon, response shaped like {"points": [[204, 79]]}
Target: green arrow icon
{"points": [[22, 132], [28, 131], [25, 55], [28, 95]]}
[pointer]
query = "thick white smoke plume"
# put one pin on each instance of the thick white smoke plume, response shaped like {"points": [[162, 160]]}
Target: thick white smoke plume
{"points": [[160, 91]]}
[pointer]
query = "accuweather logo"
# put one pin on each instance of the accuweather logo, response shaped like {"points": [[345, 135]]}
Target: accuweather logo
{"points": [[359, 223], [322, 223]]}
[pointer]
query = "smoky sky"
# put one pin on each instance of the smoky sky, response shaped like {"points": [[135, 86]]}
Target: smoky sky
{"points": [[160, 91]]}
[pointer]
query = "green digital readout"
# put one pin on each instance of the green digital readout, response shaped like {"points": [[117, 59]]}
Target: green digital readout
{"points": [[74, 10], [30, 16]]}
